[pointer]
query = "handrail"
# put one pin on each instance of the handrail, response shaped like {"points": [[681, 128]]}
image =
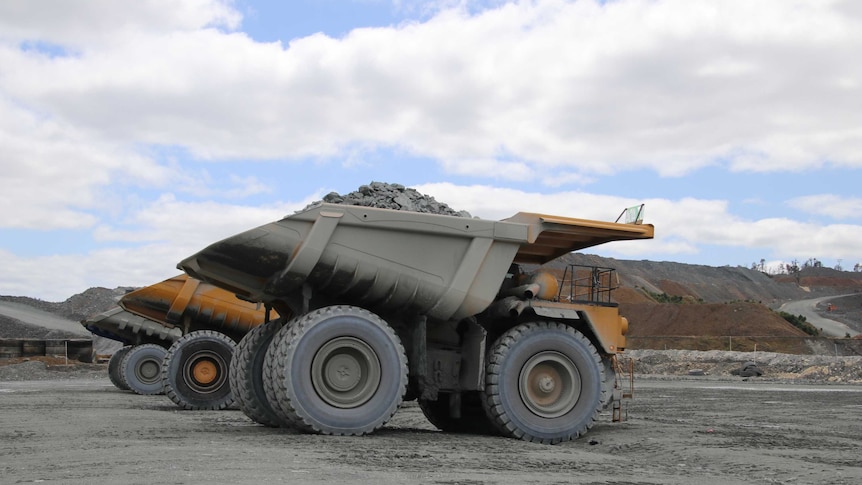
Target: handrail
{"points": [[588, 283]]}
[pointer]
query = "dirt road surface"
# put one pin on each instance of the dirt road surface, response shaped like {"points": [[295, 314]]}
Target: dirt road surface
{"points": [[807, 308], [681, 431], [34, 316]]}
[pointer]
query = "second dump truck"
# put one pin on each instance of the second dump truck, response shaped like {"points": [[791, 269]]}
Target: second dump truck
{"points": [[179, 336], [450, 311]]}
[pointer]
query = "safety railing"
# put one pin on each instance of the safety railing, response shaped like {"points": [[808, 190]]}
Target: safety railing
{"points": [[588, 283]]}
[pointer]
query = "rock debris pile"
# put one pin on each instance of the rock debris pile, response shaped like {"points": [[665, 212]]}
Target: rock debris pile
{"points": [[726, 364], [391, 196]]}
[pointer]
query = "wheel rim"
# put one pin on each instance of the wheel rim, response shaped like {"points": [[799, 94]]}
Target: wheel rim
{"points": [[148, 371], [549, 384], [204, 372], [345, 372]]}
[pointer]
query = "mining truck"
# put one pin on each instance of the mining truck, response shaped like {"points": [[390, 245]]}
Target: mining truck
{"points": [[454, 312], [179, 336]]}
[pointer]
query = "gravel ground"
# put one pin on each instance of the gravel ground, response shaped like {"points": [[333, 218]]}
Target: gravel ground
{"points": [[81, 430]]}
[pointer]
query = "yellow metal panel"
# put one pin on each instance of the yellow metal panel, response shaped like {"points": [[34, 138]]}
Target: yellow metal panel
{"points": [[553, 236]]}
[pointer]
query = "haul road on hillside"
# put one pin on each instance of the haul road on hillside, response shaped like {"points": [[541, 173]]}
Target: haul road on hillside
{"points": [[394, 305]]}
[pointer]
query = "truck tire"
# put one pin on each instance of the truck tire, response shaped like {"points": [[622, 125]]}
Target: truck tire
{"points": [[270, 382], [473, 418], [142, 369], [196, 370], [115, 368], [246, 375], [338, 370], [543, 383]]}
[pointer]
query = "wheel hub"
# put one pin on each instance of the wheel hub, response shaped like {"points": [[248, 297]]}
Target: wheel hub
{"points": [[546, 384], [149, 370], [549, 384], [345, 372], [204, 371]]}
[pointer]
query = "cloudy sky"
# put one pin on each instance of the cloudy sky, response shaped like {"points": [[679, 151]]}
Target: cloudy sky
{"points": [[134, 133]]}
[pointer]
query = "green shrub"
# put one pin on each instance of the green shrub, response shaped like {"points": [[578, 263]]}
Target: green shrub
{"points": [[665, 298], [801, 323]]}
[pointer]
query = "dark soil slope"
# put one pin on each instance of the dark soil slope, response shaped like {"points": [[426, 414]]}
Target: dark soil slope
{"points": [[710, 319]]}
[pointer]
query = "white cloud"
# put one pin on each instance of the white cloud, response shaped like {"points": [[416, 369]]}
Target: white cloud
{"points": [[53, 172], [177, 222], [830, 205], [586, 87], [156, 238], [88, 23]]}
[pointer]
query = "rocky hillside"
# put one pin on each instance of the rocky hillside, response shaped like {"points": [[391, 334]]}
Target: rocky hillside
{"points": [[707, 284], [74, 309]]}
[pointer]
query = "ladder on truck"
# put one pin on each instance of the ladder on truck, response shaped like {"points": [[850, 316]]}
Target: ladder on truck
{"points": [[624, 387]]}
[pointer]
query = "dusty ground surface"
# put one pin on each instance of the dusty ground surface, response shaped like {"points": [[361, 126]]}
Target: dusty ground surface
{"points": [[73, 426]]}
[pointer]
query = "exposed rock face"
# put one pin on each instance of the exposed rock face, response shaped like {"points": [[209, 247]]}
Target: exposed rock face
{"points": [[391, 196]]}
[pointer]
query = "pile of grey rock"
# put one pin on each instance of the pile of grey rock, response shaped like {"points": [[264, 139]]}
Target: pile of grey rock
{"points": [[391, 196]]}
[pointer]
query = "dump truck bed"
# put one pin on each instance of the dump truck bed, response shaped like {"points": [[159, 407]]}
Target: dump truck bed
{"points": [[182, 300], [160, 313], [445, 267]]}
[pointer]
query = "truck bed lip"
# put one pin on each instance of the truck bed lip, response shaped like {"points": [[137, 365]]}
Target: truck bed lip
{"points": [[553, 236]]}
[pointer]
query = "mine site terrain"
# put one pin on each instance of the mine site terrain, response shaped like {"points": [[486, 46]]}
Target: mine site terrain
{"points": [[690, 418], [738, 377]]}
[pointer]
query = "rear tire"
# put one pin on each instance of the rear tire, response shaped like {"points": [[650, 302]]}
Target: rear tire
{"points": [[247, 379], [196, 370], [142, 369], [115, 366], [337, 370], [544, 383]]}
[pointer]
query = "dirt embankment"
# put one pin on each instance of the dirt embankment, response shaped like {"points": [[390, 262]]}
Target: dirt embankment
{"points": [[699, 283], [709, 319], [31, 318], [683, 306], [719, 364]]}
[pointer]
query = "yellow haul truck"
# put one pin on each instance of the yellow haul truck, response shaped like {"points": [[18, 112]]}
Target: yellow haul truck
{"points": [[392, 305], [179, 336]]}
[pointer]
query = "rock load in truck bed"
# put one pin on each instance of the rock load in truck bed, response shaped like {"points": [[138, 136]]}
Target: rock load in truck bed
{"points": [[390, 196]]}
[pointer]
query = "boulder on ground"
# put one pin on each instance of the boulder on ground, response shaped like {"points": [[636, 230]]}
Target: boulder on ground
{"points": [[748, 369]]}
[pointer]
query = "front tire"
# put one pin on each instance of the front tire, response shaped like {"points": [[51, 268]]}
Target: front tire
{"points": [[142, 369], [196, 370], [544, 383], [338, 370]]}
